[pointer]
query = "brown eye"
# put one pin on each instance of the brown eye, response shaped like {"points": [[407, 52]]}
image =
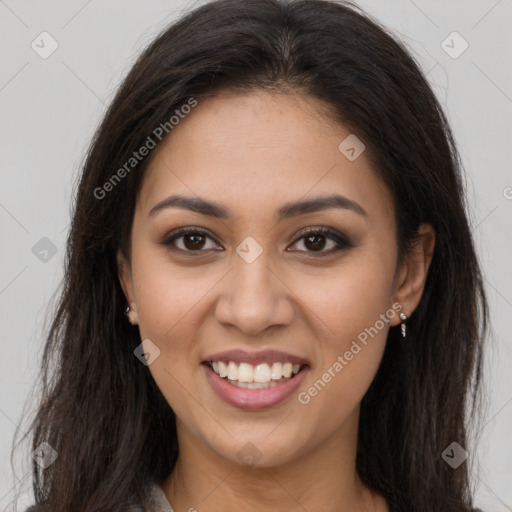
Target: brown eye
{"points": [[188, 240], [315, 241], [193, 241]]}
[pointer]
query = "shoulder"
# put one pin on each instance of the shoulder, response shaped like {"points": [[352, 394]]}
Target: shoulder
{"points": [[132, 508], [158, 500], [156, 497]]}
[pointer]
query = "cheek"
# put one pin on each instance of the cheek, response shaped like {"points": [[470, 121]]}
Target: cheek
{"points": [[346, 300], [174, 306], [352, 313], [168, 307], [168, 297]]}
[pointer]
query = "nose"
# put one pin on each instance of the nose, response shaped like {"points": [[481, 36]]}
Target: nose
{"points": [[254, 297]]}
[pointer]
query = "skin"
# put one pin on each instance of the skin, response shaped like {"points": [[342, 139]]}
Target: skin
{"points": [[252, 153]]}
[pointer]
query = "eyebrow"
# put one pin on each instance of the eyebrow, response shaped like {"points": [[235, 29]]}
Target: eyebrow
{"points": [[212, 209]]}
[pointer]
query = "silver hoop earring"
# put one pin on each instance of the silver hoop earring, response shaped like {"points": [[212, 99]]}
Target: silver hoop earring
{"points": [[127, 310], [403, 326]]}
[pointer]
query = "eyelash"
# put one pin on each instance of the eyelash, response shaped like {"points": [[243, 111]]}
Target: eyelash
{"points": [[342, 241]]}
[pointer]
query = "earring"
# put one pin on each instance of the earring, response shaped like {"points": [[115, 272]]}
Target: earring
{"points": [[127, 313], [403, 326]]}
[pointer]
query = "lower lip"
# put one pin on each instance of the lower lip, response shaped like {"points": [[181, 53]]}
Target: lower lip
{"points": [[251, 399]]}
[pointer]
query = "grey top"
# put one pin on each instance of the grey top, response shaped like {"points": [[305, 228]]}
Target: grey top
{"points": [[158, 501]]}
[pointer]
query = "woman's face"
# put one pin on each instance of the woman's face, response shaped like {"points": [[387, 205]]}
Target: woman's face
{"points": [[249, 280]]}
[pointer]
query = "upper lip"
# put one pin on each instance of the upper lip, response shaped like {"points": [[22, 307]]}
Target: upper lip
{"points": [[264, 356]]}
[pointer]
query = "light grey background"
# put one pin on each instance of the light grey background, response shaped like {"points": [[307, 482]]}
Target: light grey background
{"points": [[50, 107]]}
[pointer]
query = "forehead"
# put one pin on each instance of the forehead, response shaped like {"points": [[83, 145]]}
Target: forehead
{"points": [[257, 151]]}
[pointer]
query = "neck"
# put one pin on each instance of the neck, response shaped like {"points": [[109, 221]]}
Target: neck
{"points": [[323, 479]]}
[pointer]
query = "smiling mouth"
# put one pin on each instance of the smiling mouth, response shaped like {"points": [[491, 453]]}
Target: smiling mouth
{"points": [[259, 376]]}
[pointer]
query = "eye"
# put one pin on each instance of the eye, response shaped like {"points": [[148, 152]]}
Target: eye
{"points": [[314, 241], [193, 240], [190, 240]]}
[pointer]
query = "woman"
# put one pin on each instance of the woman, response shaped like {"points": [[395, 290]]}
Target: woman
{"points": [[272, 299]]}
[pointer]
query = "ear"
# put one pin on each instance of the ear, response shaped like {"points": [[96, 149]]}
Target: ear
{"points": [[412, 275], [125, 278]]}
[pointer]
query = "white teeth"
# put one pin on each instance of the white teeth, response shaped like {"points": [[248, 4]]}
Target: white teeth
{"points": [[254, 376], [232, 371], [245, 373], [223, 370], [262, 373], [277, 371]]}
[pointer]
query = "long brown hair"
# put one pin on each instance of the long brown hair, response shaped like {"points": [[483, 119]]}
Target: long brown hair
{"points": [[100, 408]]}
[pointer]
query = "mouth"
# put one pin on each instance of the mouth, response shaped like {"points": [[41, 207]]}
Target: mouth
{"points": [[260, 376], [254, 381]]}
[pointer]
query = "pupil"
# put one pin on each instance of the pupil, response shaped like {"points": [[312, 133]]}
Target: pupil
{"points": [[196, 241], [315, 245]]}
